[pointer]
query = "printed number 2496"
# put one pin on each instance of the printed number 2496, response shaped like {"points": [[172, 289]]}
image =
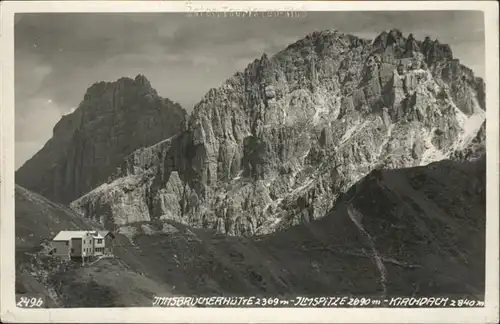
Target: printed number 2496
{"points": [[30, 302]]}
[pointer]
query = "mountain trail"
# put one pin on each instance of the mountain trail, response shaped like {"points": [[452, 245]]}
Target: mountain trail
{"points": [[356, 218]]}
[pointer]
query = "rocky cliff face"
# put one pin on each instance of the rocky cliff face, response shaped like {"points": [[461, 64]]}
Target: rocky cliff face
{"points": [[276, 145], [475, 150], [113, 120]]}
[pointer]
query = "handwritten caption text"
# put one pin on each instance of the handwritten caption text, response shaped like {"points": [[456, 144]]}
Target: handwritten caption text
{"points": [[314, 302]]}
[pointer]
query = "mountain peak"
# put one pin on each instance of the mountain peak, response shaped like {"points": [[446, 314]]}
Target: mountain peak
{"points": [[329, 99], [141, 79], [113, 120], [122, 85]]}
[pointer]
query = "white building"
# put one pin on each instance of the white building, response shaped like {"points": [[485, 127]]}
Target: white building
{"points": [[82, 243]]}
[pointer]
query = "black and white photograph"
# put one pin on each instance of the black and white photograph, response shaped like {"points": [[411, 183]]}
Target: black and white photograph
{"points": [[289, 160]]}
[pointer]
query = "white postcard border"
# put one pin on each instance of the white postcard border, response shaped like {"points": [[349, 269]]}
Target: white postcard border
{"points": [[489, 314]]}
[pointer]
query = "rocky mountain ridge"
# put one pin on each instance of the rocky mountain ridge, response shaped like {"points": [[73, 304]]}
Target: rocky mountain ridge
{"points": [[113, 120], [278, 143]]}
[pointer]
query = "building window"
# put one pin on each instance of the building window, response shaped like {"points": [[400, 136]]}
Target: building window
{"points": [[67, 242], [99, 241], [55, 250]]}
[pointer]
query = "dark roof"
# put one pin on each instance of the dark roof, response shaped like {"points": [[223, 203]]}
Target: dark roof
{"points": [[106, 233]]}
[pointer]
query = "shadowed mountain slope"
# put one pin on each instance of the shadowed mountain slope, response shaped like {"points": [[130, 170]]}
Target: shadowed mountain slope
{"points": [[416, 231], [409, 231], [38, 218]]}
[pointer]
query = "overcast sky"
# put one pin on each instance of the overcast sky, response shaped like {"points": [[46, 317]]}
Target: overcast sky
{"points": [[58, 56]]}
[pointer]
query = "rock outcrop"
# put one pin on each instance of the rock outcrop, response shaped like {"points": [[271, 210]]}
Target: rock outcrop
{"points": [[476, 148], [113, 120], [278, 143]]}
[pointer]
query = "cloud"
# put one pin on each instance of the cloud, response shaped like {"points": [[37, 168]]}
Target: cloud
{"points": [[29, 74]]}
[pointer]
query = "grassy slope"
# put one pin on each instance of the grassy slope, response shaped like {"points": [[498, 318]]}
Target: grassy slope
{"points": [[107, 283], [427, 225], [39, 218], [37, 221]]}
